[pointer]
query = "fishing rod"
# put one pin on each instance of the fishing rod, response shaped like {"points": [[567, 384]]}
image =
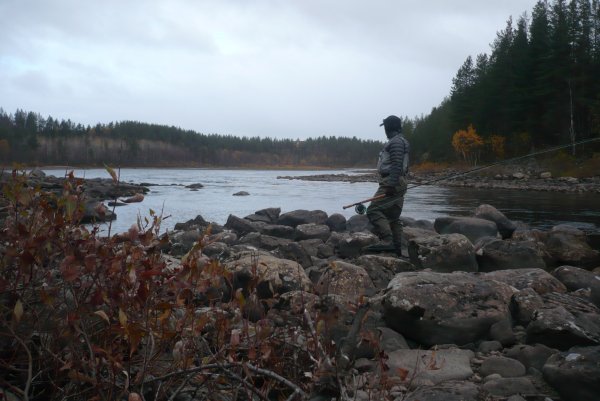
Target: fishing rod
{"points": [[361, 209]]}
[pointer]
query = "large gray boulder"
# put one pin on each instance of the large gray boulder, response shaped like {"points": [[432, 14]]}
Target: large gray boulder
{"points": [[270, 274], [277, 230], [345, 280], [565, 321], [312, 231], [575, 374], [445, 308], [359, 223], [488, 212], [575, 278], [336, 222], [382, 269], [501, 255], [297, 217], [239, 226], [96, 212], [538, 280], [350, 245], [569, 246], [471, 227], [443, 253], [269, 215]]}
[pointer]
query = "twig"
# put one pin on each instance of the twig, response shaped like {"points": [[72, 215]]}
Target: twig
{"points": [[29, 367]]}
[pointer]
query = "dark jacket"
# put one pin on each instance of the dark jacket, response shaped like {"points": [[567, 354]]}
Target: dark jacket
{"points": [[393, 160]]}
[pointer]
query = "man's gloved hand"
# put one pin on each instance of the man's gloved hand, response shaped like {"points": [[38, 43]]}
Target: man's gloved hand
{"points": [[390, 191]]}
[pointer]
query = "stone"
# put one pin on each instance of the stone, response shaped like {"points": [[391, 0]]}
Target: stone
{"points": [[568, 246], [350, 245], [565, 321], [575, 278], [545, 175], [489, 346], [502, 331], [504, 225], [424, 367], [531, 356], [443, 253], [241, 193], [524, 305], [444, 308], [96, 212], [296, 252], [471, 227], [216, 250], [390, 340], [195, 223], [345, 280], [239, 225], [276, 230], [508, 386], [575, 374], [312, 231], [505, 367], [382, 269], [503, 255], [336, 222], [195, 186], [359, 223], [539, 280], [447, 391], [297, 217]]}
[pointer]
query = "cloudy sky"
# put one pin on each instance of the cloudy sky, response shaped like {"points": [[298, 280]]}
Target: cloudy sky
{"points": [[277, 68]]}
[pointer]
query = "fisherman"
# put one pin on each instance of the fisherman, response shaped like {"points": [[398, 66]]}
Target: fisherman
{"points": [[392, 167]]}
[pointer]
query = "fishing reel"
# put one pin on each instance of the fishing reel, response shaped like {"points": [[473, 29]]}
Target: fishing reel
{"points": [[360, 209]]}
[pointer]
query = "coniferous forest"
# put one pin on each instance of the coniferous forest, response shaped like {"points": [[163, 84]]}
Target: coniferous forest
{"points": [[538, 87]]}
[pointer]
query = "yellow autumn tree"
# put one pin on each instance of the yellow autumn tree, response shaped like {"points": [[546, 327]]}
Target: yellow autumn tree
{"points": [[497, 142], [468, 144]]}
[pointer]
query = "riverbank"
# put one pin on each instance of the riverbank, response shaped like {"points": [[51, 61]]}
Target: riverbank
{"points": [[454, 178]]}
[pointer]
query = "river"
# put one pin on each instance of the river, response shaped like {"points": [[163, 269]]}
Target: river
{"points": [[215, 201]]}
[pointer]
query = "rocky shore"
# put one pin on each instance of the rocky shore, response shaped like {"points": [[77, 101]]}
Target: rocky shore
{"points": [[478, 310], [518, 180]]}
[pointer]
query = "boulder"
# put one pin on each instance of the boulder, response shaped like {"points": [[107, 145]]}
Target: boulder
{"points": [[196, 223], [471, 227], [575, 278], [575, 374], [297, 217], [241, 193], [382, 269], [311, 246], [412, 223], [272, 275], [509, 386], [565, 321], [261, 241], [217, 250], [359, 223], [539, 280], [312, 231], [296, 252], [531, 356], [336, 222], [504, 225], [505, 367], [524, 305], [568, 246], [280, 231], [445, 308], [501, 255], [239, 225], [227, 237], [431, 367], [345, 280], [96, 212], [443, 253], [447, 391], [350, 245], [269, 215]]}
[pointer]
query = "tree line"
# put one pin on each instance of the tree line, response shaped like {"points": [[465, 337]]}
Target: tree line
{"points": [[27, 137], [539, 87]]}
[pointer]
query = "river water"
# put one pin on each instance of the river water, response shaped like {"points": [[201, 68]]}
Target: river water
{"points": [[215, 201]]}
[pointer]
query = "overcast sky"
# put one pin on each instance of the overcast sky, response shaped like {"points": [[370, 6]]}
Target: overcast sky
{"points": [[293, 69]]}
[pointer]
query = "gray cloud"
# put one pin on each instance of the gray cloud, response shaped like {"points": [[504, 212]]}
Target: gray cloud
{"points": [[254, 67]]}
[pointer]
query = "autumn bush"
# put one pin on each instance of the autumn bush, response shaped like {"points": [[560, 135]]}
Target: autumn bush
{"points": [[104, 318]]}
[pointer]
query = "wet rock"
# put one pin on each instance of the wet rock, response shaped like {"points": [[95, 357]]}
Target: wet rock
{"points": [[195, 223], [443, 253], [296, 252], [336, 222], [565, 321], [195, 186], [509, 386], [345, 280], [488, 212], [505, 367], [269, 215], [280, 231], [575, 278], [297, 217], [539, 280], [502, 255], [431, 367], [531, 356], [311, 231], [575, 374], [241, 193], [437, 308], [471, 227], [412, 223]]}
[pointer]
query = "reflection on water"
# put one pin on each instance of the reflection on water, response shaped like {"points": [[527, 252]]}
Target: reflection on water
{"points": [[215, 201]]}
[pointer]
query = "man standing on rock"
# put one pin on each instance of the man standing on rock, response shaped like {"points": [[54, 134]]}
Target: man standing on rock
{"points": [[384, 213]]}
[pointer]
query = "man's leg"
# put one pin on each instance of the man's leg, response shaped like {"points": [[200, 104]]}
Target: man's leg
{"points": [[377, 214]]}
